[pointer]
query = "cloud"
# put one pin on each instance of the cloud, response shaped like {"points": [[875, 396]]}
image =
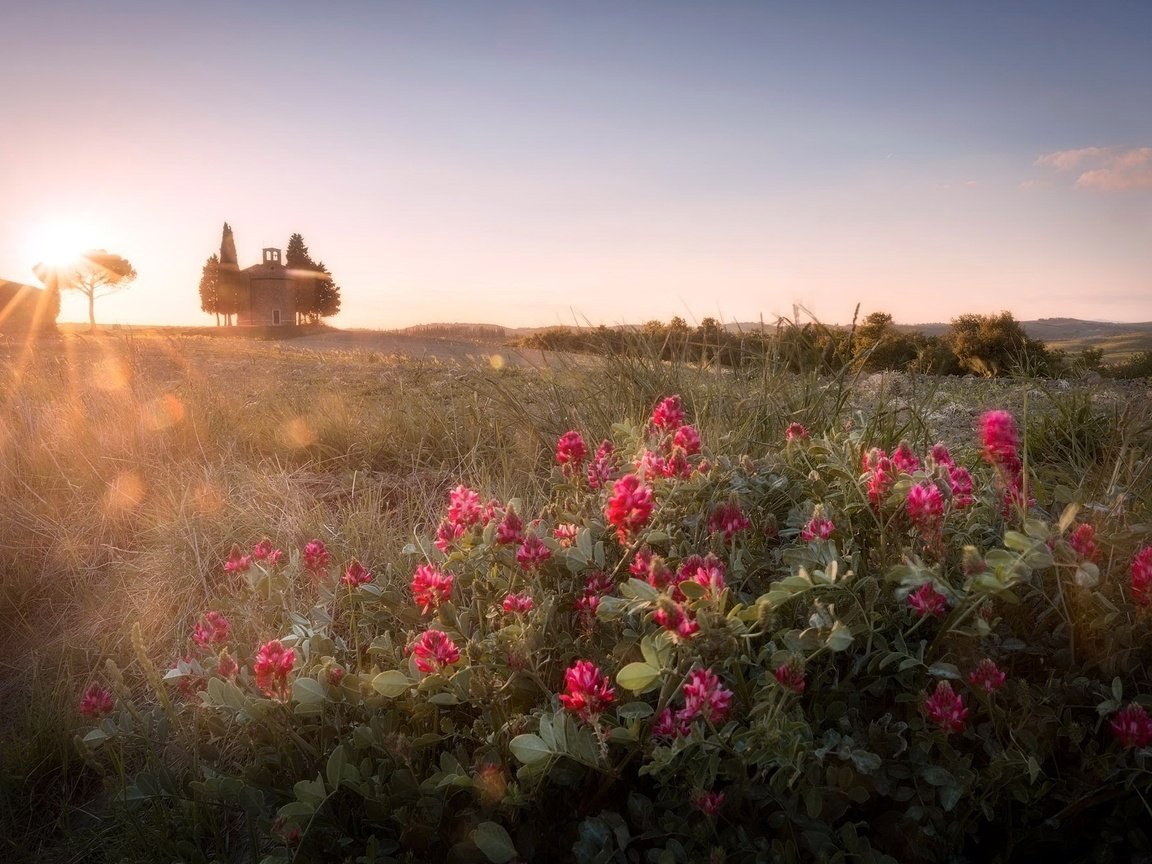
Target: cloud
{"points": [[1107, 169]]}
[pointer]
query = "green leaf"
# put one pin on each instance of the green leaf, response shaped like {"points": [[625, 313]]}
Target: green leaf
{"points": [[494, 842], [1018, 542], [392, 683], [637, 589], [335, 768], [1087, 575], [941, 669], [308, 691], [693, 590], [634, 711], [839, 638], [296, 810], [1068, 516], [530, 749], [637, 677]]}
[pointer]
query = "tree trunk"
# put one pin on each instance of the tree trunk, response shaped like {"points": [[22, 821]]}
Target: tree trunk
{"points": [[91, 311], [217, 319]]}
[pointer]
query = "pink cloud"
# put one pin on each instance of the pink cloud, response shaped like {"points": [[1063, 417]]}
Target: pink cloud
{"points": [[1106, 169]]}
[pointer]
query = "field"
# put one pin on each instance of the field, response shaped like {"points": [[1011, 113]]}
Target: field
{"points": [[136, 463]]}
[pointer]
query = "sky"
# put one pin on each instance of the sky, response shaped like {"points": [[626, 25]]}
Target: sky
{"points": [[537, 163]]}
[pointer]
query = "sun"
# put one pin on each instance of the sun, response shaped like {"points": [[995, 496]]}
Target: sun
{"points": [[59, 242]]}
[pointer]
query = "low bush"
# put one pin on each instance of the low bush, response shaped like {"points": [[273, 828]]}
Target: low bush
{"points": [[829, 652]]}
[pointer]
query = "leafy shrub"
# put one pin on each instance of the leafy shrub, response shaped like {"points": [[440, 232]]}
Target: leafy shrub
{"points": [[685, 655]]}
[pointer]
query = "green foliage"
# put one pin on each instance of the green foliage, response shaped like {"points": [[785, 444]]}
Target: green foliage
{"points": [[95, 273], [993, 345], [210, 286], [387, 760], [317, 295]]}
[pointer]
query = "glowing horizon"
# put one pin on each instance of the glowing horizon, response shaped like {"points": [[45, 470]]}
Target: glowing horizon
{"points": [[528, 165]]}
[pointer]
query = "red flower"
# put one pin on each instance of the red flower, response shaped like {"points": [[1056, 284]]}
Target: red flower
{"points": [[430, 588], [630, 506], [709, 803], [961, 482], [705, 696], [926, 600], [96, 702], [881, 476], [904, 459], [566, 533], [356, 574], [641, 562], [273, 663], [796, 432], [226, 665], [707, 572], [671, 725], [674, 619], [532, 553], [263, 551], [516, 604], [792, 678], [433, 650], [316, 558], [464, 507], [236, 562], [819, 527], [668, 414], [1000, 440], [1083, 541], [987, 676], [588, 691], [447, 533], [570, 452], [940, 455], [687, 438], [336, 675], [510, 529], [212, 630], [729, 519], [946, 709], [925, 507], [1132, 726], [1141, 571], [603, 465]]}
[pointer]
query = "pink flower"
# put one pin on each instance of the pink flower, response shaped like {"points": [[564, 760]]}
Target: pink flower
{"points": [[819, 527], [659, 575], [226, 665], [677, 464], [96, 702], [987, 676], [709, 803], [687, 438], [651, 464], [570, 452], [434, 650], [961, 482], [356, 574], [430, 588], [1000, 440], [603, 465], [1083, 541], [316, 558], [566, 533], [1132, 726], [904, 459], [940, 455], [212, 630], [926, 600], [675, 620], [795, 432], [532, 553], [729, 519], [588, 692], [946, 709], [447, 533], [630, 506], [510, 529], [925, 507], [1141, 571], [236, 562], [671, 725], [708, 572], [641, 562], [263, 551], [705, 696], [517, 604], [668, 414], [792, 678], [881, 476], [336, 675], [464, 507], [273, 663]]}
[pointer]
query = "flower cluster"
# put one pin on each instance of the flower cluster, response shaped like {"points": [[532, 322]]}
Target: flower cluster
{"points": [[946, 709], [728, 519], [273, 664], [264, 551], [433, 651], [796, 432], [880, 475], [925, 508], [316, 558], [212, 629], [791, 677], [926, 600], [630, 506], [570, 453], [517, 604], [675, 619], [356, 574], [96, 702], [1083, 541], [706, 571], [819, 527], [237, 561], [1001, 449], [587, 691], [603, 465], [987, 676], [704, 698], [668, 415], [1132, 726], [431, 588], [532, 553], [1141, 573]]}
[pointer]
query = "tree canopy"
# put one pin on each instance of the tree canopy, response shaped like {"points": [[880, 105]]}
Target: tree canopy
{"points": [[96, 273], [317, 294]]}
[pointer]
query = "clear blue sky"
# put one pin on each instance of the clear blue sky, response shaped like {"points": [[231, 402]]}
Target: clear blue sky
{"points": [[529, 163]]}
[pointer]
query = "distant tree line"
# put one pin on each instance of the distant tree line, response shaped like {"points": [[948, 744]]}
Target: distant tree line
{"points": [[987, 345], [459, 331]]}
